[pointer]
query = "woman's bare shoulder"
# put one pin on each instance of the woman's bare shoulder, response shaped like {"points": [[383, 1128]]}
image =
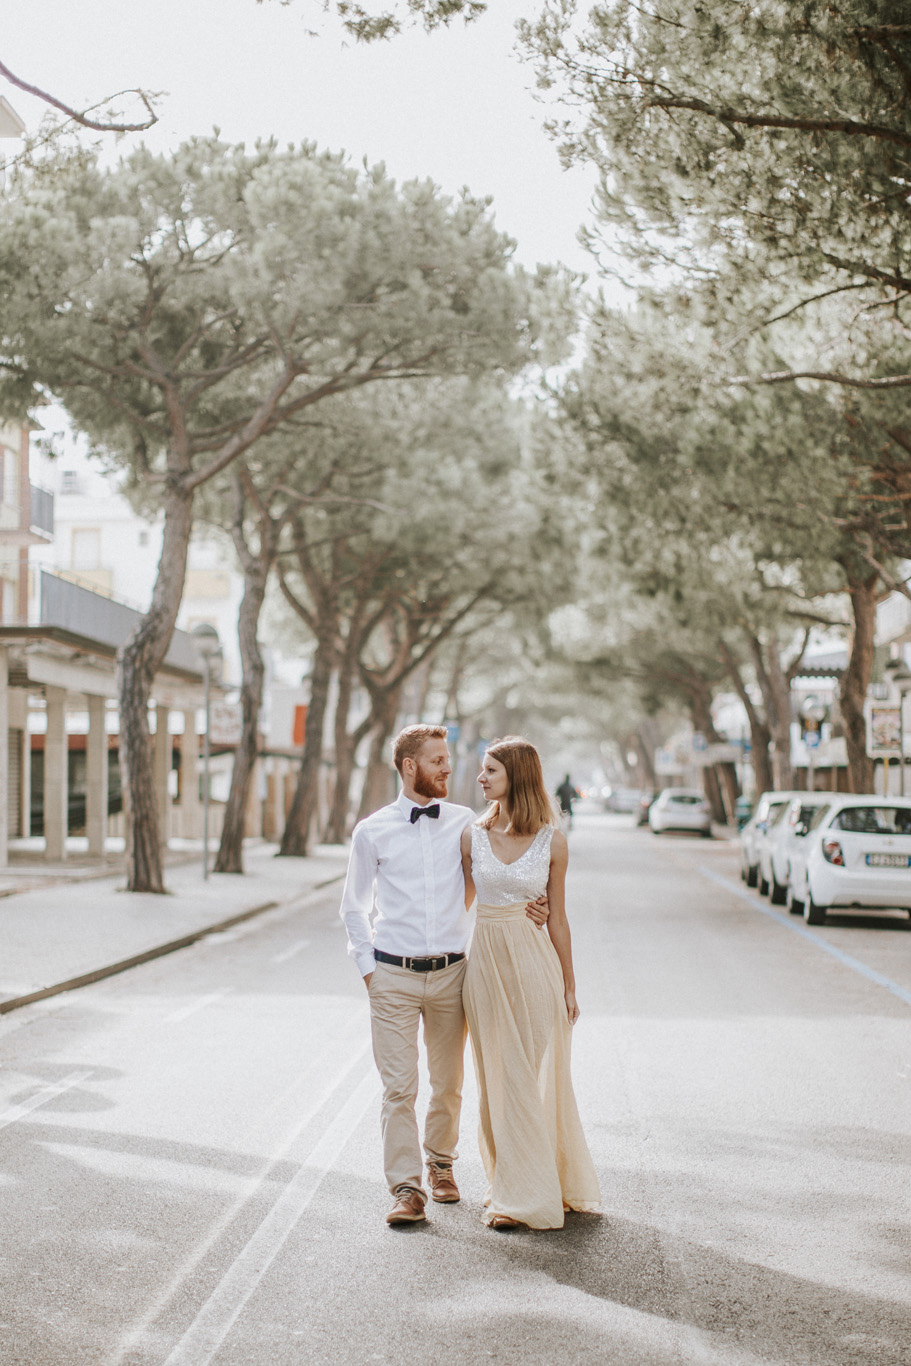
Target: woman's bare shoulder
{"points": [[559, 847]]}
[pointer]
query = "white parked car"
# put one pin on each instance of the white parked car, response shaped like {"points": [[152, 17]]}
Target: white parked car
{"points": [[787, 828], [767, 805], [681, 808], [857, 852]]}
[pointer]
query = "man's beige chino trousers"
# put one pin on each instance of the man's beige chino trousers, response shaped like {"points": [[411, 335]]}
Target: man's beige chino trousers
{"points": [[399, 1000]]}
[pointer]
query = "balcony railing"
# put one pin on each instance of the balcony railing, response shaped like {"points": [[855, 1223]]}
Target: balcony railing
{"points": [[73, 608], [41, 511]]}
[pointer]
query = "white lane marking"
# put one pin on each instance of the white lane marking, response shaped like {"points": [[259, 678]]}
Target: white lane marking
{"points": [[221, 1310], [200, 1003], [289, 953], [800, 928], [41, 1097], [250, 1188]]}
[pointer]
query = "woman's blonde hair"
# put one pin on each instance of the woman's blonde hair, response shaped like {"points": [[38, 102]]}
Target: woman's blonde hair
{"points": [[529, 803]]}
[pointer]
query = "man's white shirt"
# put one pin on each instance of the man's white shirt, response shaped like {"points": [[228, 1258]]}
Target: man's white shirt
{"points": [[410, 875]]}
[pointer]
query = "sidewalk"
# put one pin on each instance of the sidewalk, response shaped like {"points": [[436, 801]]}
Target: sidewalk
{"points": [[74, 931]]}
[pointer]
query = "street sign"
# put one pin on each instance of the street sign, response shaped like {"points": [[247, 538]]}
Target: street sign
{"points": [[884, 730], [225, 723]]}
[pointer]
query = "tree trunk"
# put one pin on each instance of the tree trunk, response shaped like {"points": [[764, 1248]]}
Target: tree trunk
{"points": [[230, 849], [646, 751], [776, 695], [702, 721], [379, 784], [760, 737], [853, 690], [296, 836], [730, 789], [345, 749], [138, 662]]}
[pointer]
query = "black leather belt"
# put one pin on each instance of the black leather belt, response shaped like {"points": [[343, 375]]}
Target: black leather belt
{"points": [[442, 960]]}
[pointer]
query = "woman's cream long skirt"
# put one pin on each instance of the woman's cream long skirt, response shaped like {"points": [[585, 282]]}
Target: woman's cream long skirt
{"points": [[532, 1145]]}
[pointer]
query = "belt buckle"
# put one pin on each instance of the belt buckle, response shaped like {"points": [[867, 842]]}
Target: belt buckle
{"points": [[408, 963]]}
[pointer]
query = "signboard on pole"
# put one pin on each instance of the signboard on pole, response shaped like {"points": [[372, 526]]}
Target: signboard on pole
{"points": [[225, 723], [884, 729]]}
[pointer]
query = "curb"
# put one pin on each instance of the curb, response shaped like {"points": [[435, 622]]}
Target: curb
{"points": [[148, 955]]}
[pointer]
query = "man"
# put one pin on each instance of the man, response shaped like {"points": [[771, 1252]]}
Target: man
{"points": [[405, 865], [566, 793]]}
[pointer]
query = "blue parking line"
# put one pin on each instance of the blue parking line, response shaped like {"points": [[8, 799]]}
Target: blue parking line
{"points": [[799, 928]]}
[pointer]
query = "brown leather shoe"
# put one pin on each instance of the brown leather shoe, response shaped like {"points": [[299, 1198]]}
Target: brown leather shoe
{"points": [[408, 1207], [442, 1186]]}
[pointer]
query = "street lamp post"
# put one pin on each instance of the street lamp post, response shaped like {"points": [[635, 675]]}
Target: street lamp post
{"points": [[209, 647], [899, 675], [813, 712]]}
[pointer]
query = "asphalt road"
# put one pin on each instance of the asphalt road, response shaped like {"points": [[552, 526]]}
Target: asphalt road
{"points": [[190, 1163]]}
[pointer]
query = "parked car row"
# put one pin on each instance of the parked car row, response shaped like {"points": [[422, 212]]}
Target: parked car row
{"points": [[812, 851]]}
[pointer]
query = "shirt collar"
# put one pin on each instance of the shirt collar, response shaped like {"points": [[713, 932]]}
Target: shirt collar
{"points": [[406, 805]]}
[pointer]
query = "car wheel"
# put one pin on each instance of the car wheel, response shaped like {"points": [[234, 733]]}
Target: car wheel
{"points": [[813, 914], [763, 886], [794, 905], [779, 893], [752, 877]]}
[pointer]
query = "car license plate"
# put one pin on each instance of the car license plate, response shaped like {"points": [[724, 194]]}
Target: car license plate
{"points": [[888, 860]]}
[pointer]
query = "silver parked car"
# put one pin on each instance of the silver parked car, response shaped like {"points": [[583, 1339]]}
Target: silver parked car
{"points": [[681, 808], [781, 840], [768, 804], [857, 852]]}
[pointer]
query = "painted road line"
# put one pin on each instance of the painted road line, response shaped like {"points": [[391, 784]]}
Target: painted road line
{"points": [[199, 1004], [806, 933], [250, 1189], [202, 1340], [290, 953], [17, 1112]]}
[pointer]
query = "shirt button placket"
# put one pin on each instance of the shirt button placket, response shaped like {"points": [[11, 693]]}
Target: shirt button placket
{"points": [[430, 920]]}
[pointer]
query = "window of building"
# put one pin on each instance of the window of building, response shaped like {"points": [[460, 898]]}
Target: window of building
{"points": [[86, 548]]}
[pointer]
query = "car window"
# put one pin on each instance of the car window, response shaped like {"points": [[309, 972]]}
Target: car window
{"points": [[686, 799], [777, 814], [874, 820]]}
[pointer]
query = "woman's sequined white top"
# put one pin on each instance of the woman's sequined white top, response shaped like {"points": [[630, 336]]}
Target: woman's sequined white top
{"points": [[506, 884]]}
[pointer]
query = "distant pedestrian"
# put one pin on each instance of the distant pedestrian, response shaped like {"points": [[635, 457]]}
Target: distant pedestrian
{"points": [[566, 794]]}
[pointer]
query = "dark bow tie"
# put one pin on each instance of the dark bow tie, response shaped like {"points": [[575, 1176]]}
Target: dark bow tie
{"points": [[432, 811]]}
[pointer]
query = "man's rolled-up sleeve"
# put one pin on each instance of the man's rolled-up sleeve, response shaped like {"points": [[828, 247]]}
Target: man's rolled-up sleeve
{"points": [[357, 902]]}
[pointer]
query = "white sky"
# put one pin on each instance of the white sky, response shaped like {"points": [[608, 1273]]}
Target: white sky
{"points": [[453, 105]]}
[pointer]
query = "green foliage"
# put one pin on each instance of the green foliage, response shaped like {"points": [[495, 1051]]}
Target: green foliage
{"points": [[371, 23], [165, 299], [774, 134]]}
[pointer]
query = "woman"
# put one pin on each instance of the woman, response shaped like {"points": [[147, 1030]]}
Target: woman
{"points": [[520, 1000]]}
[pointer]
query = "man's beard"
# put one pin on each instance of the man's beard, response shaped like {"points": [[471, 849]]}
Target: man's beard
{"points": [[427, 784]]}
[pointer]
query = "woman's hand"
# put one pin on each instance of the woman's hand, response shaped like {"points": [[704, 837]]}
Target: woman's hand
{"points": [[572, 1007], [538, 911]]}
